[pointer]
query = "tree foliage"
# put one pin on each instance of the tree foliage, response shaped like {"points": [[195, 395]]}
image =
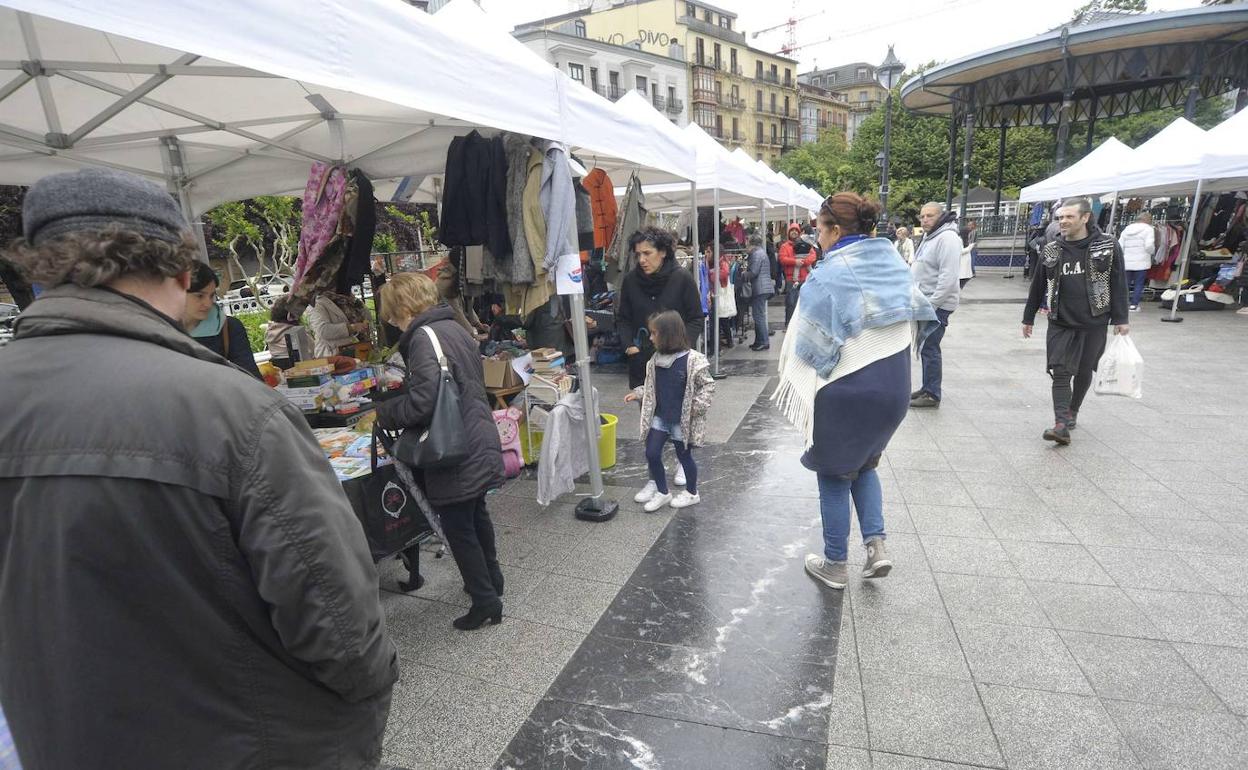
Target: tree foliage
{"points": [[824, 165]]}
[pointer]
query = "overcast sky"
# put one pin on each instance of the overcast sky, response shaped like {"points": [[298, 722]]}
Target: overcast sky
{"points": [[921, 30]]}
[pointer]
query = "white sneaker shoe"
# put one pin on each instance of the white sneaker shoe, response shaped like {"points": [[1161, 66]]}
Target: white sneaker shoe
{"points": [[646, 493], [680, 475], [683, 499], [658, 501]]}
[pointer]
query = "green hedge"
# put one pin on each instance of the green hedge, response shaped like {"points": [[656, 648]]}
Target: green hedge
{"points": [[255, 332]]}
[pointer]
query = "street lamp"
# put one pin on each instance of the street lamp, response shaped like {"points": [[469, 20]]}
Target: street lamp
{"points": [[887, 74]]}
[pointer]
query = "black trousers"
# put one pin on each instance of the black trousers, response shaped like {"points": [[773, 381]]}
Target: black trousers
{"points": [[470, 535], [637, 367], [1073, 355]]}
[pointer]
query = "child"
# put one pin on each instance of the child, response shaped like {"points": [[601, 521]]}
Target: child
{"points": [[674, 401]]}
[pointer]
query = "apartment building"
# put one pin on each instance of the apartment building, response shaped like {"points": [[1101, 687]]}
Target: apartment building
{"points": [[742, 96], [857, 83], [821, 110]]}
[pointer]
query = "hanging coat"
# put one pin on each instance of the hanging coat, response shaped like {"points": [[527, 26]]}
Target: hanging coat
{"points": [[517, 267], [558, 198], [632, 217], [602, 201], [357, 261]]}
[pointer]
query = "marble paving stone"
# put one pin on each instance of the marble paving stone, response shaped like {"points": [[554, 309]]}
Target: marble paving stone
{"points": [[1228, 573], [465, 724], [1121, 531], [1140, 670], [949, 520], [1031, 527], [641, 529], [574, 604], [1143, 568], [415, 687], [1097, 609], [848, 758], [918, 460], [1167, 737], [990, 600], [521, 655], [847, 718], [1012, 498], [1056, 562], [1194, 618], [1224, 669], [910, 644], [1054, 731], [605, 562], [1191, 536], [968, 556], [1020, 656], [884, 761], [929, 717], [758, 692], [1165, 504], [576, 737], [804, 627], [1085, 503], [443, 583]]}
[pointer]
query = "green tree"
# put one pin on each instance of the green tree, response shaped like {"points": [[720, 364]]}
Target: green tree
{"points": [[823, 165], [233, 230]]}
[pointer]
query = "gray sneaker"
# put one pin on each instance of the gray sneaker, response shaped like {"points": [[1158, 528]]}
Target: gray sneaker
{"points": [[832, 574], [878, 564]]}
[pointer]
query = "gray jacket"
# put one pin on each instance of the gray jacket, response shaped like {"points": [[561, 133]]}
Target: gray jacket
{"points": [[182, 581], [936, 265], [760, 273]]}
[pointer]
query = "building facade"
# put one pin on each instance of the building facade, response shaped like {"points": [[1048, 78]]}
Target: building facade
{"points": [[742, 96], [612, 70], [820, 111], [857, 83]]}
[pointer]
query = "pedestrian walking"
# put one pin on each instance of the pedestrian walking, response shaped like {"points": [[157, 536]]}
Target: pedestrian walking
{"points": [[432, 338], [970, 249], [796, 260], [1138, 242], [845, 376], [935, 271], [760, 276], [1082, 278], [182, 580], [905, 245], [675, 398], [720, 294], [657, 283]]}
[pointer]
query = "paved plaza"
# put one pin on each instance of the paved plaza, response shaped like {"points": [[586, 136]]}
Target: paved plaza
{"points": [[1074, 607]]}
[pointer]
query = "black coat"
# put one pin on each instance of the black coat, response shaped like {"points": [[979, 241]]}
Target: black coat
{"points": [[641, 298], [483, 470], [474, 205], [239, 353]]}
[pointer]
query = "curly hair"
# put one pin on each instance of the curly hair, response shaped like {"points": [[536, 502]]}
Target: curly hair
{"points": [[657, 237], [98, 257]]}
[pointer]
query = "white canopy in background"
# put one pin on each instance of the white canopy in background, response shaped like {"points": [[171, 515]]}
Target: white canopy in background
{"points": [[236, 99], [1226, 154], [1169, 161], [1075, 180]]}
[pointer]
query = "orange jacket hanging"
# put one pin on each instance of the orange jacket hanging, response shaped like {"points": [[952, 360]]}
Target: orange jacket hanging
{"points": [[602, 201]]}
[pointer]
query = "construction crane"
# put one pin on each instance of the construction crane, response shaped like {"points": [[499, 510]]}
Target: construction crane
{"points": [[790, 26]]}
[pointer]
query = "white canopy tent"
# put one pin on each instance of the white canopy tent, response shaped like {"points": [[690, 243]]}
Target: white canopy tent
{"points": [[230, 102], [1174, 157], [1074, 180]]}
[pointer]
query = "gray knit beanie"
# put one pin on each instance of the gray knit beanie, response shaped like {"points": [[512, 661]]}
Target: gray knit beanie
{"points": [[93, 199]]}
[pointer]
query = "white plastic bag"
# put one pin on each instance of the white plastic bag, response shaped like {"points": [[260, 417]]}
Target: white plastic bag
{"points": [[1120, 372]]}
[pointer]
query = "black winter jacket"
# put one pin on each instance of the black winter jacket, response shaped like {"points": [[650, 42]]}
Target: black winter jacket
{"points": [[642, 296], [182, 580], [483, 470]]}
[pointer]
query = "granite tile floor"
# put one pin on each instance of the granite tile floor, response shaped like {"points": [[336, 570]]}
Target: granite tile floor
{"points": [[1076, 607]]}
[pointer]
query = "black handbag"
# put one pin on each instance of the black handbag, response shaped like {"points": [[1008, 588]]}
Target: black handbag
{"points": [[391, 517], [442, 444]]}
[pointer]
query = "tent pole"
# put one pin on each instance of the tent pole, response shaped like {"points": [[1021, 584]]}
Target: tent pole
{"points": [[715, 261], [696, 244], [175, 176], [1187, 245], [1013, 241]]}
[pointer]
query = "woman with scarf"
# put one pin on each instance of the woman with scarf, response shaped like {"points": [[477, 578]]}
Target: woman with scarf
{"points": [[845, 376], [337, 321], [211, 327], [656, 284]]}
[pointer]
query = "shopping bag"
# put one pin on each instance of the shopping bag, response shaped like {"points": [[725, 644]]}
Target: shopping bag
{"points": [[387, 509], [1120, 372]]}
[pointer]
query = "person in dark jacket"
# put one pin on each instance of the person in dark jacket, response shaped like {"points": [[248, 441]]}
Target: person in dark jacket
{"points": [[657, 283], [764, 285], [211, 327], [457, 493], [1080, 278], [182, 580]]}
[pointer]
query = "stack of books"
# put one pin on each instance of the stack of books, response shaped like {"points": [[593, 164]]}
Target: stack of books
{"points": [[548, 363]]}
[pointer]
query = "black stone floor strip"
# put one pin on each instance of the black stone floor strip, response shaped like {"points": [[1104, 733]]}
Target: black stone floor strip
{"points": [[719, 651]]}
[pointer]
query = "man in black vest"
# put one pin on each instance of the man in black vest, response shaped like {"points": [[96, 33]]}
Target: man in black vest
{"points": [[1081, 276]]}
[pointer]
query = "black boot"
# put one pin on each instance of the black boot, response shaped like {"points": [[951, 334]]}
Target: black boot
{"points": [[477, 616]]}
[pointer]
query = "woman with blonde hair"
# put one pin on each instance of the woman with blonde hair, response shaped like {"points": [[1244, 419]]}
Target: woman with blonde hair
{"points": [[457, 493]]}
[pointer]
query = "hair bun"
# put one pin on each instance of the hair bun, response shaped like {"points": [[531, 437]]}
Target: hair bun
{"points": [[868, 214]]}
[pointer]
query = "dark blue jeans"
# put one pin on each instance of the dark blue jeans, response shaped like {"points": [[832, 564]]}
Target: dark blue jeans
{"points": [[930, 354], [1137, 280], [758, 313]]}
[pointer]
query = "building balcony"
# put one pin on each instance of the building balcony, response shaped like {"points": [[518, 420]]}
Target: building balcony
{"points": [[610, 92], [709, 62], [737, 138], [731, 102], [767, 77], [714, 30], [866, 106], [675, 106], [659, 102], [702, 96]]}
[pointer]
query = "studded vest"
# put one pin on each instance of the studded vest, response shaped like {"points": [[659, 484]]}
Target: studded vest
{"points": [[1098, 263]]}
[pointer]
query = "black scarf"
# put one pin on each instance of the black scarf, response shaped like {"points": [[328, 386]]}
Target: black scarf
{"points": [[652, 283]]}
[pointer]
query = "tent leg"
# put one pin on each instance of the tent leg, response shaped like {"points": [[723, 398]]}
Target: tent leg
{"points": [[696, 245], [594, 507], [715, 280], [175, 174], [1013, 242], [1187, 245]]}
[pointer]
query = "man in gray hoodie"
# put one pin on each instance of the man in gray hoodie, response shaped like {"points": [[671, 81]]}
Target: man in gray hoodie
{"points": [[935, 270]]}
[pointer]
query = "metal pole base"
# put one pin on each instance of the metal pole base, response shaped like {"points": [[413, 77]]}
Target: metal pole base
{"points": [[719, 376], [596, 509], [1175, 320]]}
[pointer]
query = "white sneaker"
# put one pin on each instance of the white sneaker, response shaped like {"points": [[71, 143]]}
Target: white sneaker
{"points": [[683, 499], [680, 475], [658, 501], [646, 493], [1135, 307]]}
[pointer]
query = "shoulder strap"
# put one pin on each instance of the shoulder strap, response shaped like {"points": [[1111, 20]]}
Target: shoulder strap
{"points": [[437, 347], [225, 337]]}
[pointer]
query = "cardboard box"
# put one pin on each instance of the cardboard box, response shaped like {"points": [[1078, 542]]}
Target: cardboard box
{"points": [[499, 374]]}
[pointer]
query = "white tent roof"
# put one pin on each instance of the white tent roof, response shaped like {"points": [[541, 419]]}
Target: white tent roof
{"points": [[1074, 180], [1226, 154], [1169, 161], [239, 101]]}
